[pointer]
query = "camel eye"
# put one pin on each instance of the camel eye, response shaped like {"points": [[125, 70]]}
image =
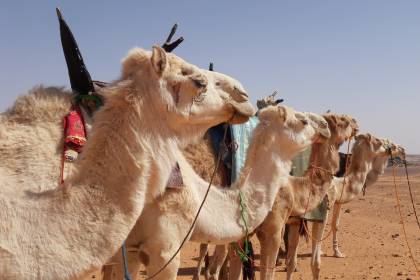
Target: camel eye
{"points": [[185, 72], [217, 84]]}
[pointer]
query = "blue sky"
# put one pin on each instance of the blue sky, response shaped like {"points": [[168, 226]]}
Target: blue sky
{"points": [[356, 57]]}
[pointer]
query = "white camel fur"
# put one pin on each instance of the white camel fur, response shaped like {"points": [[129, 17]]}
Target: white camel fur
{"points": [[281, 134], [369, 153], [49, 231]]}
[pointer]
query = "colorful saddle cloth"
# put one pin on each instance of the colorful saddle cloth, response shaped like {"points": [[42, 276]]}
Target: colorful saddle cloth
{"points": [[74, 133], [299, 165], [241, 136]]}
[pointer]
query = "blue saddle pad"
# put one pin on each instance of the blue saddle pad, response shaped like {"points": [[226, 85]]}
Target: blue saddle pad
{"points": [[241, 136]]}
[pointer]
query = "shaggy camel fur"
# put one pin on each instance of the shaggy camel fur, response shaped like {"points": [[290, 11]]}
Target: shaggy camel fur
{"points": [[49, 231], [367, 151], [292, 198], [281, 134]]}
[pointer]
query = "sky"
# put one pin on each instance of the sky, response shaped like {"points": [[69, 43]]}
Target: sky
{"points": [[356, 57]]}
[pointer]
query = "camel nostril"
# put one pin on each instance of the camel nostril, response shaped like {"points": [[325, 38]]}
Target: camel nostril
{"points": [[200, 83]]}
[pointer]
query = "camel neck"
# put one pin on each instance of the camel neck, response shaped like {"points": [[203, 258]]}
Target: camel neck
{"points": [[360, 166], [317, 180], [267, 164], [378, 166]]}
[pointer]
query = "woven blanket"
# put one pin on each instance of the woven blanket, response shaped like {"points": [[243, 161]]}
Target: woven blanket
{"points": [[241, 136], [299, 165]]}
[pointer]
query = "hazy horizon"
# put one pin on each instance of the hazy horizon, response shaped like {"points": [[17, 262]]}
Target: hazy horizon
{"points": [[355, 57]]}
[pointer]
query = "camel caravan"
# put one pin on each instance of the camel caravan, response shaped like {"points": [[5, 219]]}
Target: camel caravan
{"points": [[118, 176]]}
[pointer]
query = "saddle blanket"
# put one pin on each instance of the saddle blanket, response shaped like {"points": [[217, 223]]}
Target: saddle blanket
{"points": [[241, 136]]}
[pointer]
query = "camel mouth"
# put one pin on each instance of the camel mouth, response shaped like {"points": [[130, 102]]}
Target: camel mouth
{"points": [[325, 133], [242, 112]]}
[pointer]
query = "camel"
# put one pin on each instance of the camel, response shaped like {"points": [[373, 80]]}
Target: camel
{"points": [[292, 197], [280, 135], [48, 231], [369, 156]]}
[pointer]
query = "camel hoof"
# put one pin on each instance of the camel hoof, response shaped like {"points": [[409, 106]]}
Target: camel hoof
{"points": [[338, 254]]}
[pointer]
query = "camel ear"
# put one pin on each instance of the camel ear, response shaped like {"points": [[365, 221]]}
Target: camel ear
{"points": [[334, 119], [359, 137], [282, 112], [159, 60], [368, 137]]}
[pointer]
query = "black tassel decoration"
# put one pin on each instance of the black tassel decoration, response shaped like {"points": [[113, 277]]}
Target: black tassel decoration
{"points": [[80, 79]]}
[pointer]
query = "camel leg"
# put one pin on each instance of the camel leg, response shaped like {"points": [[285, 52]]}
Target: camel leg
{"points": [[204, 248], [270, 245], [117, 271], [293, 243], [224, 272], [335, 223], [216, 263], [317, 233], [158, 259], [235, 269], [107, 271]]}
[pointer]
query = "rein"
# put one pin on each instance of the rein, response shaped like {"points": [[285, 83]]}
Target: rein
{"points": [[397, 198], [411, 194]]}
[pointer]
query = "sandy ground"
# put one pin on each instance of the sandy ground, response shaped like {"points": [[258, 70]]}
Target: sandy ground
{"points": [[370, 235]]}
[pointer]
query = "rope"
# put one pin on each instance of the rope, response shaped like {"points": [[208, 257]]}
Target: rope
{"points": [[341, 195], [127, 275], [411, 194], [219, 156], [401, 217]]}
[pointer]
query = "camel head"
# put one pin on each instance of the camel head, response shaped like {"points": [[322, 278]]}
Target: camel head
{"points": [[231, 95], [184, 95], [320, 123], [296, 130], [370, 146], [342, 127], [394, 149]]}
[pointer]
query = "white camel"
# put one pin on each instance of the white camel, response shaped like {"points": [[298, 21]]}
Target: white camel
{"points": [[368, 153], [280, 135], [49, 231]]}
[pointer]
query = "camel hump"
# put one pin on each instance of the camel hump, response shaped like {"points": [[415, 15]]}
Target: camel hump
{"points": [[47, 104]]}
